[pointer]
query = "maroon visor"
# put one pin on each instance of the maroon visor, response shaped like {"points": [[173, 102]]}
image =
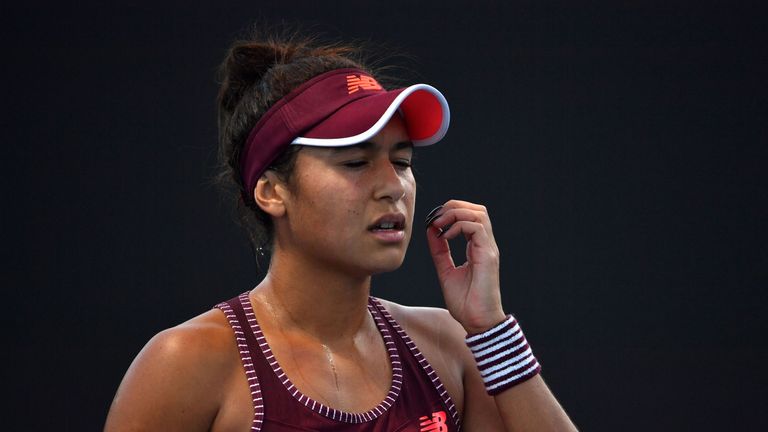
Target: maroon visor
{"points": [[340, 108]]}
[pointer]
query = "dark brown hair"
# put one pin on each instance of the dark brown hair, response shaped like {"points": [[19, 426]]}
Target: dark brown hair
{"points": [[255, 74]]}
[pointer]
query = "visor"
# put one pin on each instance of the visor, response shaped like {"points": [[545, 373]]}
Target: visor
{"points": [[340, 108]]}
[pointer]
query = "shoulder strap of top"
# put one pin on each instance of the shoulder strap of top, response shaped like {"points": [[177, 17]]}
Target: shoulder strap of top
{"points": [[239, 313], [422, 361]]}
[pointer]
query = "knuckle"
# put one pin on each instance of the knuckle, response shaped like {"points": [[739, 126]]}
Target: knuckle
{"points": [[495, 256]]}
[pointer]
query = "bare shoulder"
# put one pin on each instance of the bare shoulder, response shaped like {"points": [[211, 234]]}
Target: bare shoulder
{"points": [[205, 337], [172, 383], [429, 322], [204, 343]]}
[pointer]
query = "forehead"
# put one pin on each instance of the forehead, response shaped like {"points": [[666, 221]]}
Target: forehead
{"points": [[366, 147], [372, 146]]}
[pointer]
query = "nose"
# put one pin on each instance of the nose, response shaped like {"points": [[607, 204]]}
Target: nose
{"points": [[390, 183]]}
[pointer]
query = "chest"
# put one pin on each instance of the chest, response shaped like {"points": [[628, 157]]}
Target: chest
{"points": [[415, 406], [353, 377], [381, 384]]}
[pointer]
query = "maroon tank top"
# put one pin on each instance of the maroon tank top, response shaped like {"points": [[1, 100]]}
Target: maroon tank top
{"points": [[417, 400]]}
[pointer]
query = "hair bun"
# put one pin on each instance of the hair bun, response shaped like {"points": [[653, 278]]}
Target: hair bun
{"points": [[250, 61], [245, 65]]}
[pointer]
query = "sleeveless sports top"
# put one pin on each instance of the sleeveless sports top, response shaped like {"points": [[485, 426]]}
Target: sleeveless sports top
{"points": [[417, 400]]}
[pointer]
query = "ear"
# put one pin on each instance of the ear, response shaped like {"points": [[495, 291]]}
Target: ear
{"points": [[270, 194]]}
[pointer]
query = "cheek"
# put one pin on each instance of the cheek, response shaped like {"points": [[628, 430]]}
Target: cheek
{"points": [[409, 183], [331, 206]]}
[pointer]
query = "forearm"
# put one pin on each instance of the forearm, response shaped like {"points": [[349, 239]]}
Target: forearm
{"points": [[511, 373], [531, 406]]}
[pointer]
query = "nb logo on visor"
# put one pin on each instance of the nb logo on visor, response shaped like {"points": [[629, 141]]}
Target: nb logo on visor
{"points": [[364, 82]]}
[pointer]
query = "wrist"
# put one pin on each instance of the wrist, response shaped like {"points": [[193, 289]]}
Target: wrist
{"points": [[488, 322], [503, 355]]}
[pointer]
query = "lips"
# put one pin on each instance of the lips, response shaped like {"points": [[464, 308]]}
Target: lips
{"points": [[389, 222]]}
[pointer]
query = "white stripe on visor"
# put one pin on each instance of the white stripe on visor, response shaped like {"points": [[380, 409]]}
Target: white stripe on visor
{"points": [[384, 119]]}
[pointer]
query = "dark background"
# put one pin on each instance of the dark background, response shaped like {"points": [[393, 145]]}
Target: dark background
{"points": [[619, 146]]}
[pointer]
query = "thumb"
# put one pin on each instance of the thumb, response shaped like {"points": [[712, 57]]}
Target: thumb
{"points": [[440, 251]]}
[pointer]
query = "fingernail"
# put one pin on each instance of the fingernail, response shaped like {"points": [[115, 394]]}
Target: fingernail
{"points": [[432, 219], [444, 229], [434, 214], [434, 210]]}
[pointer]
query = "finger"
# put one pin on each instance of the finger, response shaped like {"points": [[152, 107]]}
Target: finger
{"points": [[457, 214], [450, 204], [440, 251], [455, 204], [451, 216], [474, 233], [480, 248]]}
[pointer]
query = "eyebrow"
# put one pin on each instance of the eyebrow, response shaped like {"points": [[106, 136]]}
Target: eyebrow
{"points": [[368, 145]]}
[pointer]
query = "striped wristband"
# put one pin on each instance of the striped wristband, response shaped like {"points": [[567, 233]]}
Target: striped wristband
{"points": [[503, 356]]}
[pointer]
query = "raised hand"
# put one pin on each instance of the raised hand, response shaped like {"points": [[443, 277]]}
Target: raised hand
{"points": [[471, 290]]}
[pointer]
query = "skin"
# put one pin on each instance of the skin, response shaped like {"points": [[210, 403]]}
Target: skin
{"points": [[312, 307]]}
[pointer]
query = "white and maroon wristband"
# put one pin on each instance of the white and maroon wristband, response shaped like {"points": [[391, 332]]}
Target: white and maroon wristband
{"points": [[503, 356]]}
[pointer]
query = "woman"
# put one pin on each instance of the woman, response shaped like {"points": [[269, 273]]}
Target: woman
{"points": [[321, 156]]}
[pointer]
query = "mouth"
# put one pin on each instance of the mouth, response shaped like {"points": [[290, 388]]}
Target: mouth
{"points": [[388, 222]]}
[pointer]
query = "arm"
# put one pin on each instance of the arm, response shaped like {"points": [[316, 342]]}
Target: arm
{"points": [[171, 385], [472, 296]]}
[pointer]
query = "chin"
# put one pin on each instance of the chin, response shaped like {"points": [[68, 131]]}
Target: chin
{"points": [[385, 269], [386, 264]]}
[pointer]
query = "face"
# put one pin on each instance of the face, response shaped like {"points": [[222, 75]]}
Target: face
{"points": [[352, 207]]}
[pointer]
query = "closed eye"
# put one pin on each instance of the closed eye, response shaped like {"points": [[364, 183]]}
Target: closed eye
{"points": [[399, 163], [403, 163], [355, 163]]}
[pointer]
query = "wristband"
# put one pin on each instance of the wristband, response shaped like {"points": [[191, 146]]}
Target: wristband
{"points": [[503, 356]]}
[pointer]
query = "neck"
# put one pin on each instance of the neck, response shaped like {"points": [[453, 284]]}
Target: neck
{"points": [[327, 303]]}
